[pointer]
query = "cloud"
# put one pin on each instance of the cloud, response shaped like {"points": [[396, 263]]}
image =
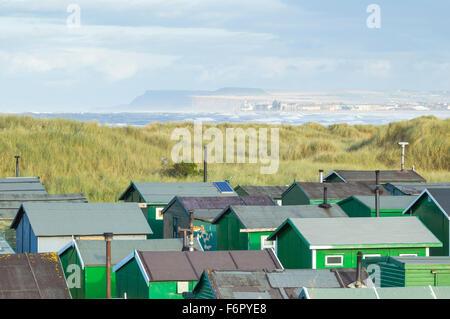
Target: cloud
{"points": [[113, 64]]}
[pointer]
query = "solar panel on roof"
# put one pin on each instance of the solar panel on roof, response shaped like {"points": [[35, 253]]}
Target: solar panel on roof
{"points": [[224, 187]]}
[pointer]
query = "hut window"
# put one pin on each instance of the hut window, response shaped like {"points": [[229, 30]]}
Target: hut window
{"points": [[182, 286], [334, 260], [267, 243], [158, 214], [408, 255], [371, 255]]}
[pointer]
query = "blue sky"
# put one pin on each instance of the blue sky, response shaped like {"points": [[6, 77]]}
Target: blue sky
{"points": [[125, 47]]}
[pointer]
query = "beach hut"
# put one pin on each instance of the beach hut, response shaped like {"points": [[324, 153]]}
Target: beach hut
{"points": [[273, 192], [247, 227], [166, 275], [386, 176], [205, 209], [364, 206], [334, 242], [47, 227], [394, 271], [306, 193], [432, 206], [84, 262], [153, 197], [32, 276]]}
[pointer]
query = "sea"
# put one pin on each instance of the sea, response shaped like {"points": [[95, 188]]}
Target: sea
{"points": [[144, 118]]}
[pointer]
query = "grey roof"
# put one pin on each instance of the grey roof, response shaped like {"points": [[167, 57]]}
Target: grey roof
{"points": [[189, 265], [339, 190], [93, 252], [32, 276], [378, 293], [268, 285], [386, 176], [417, 188], [362, 231], [10, 202], [272, 191], [21, 184], [270, 217], [191, 203], [5, 248], [442, 196], [420, 260], [387, 202], [164, 192], [65, 219], [291, 278]]}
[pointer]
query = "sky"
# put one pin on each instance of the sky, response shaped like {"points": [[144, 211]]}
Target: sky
{"points": [[59, 55]]}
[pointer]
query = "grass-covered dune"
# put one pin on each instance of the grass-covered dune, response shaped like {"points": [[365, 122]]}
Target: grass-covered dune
{"points": [[100, 161]]}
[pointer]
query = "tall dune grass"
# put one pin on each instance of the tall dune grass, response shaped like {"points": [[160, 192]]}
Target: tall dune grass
{"points": [[100, 161]]}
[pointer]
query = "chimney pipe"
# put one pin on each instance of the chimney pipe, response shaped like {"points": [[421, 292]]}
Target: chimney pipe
{"points": [[325, 199], [358, 269], [205, 165], [108, 238], [403, 144], [191, 227], [17, 165], [320, 175], [377, 193]]}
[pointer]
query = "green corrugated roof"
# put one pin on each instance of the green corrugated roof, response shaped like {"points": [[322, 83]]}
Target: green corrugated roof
{"points": [[387, 202], [165, 192], [364, 232], [62, 219], [257, 217], [93, 252]]}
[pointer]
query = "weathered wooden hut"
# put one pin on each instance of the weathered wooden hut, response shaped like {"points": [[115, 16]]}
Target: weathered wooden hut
{"points": [[247, 227], [32, 276], [393, 271], [166, 275], [305, 193], [153, 197], [432, 206], [46, 227], [386, 176], [364, 206], [273, 192], [334, 242], [176, 214], [84, 262]]}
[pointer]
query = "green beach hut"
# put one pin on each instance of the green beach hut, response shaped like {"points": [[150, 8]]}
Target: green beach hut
{"points": [[334, 242], [205, 209], [386, 176], [247, 227], [86, 259], [153, 197], [167, 275], [364, 206], [432, 206], [393, 271]]}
